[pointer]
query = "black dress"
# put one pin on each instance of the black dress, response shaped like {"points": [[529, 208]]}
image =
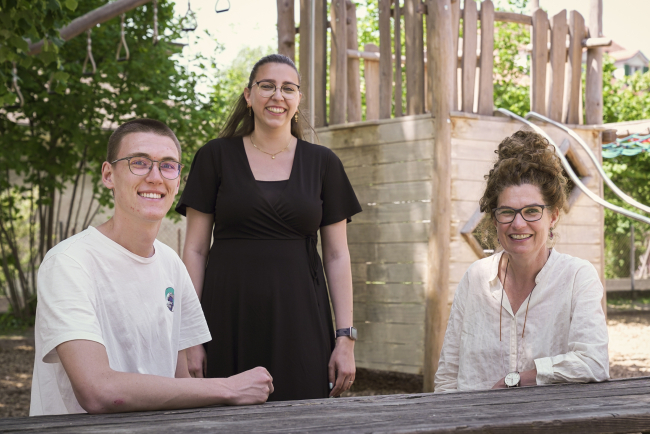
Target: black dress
{"points": [[264, 293]]}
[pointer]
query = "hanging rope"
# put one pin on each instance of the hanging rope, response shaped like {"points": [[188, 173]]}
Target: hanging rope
{"points": [[189, 22], [155, 22], [15, 88], [629, 146], [216, 7], [89, 55], [122, 43]]}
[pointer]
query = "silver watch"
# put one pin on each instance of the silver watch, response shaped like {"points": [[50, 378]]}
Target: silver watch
{"points": [[349, 332], [512, 379]]}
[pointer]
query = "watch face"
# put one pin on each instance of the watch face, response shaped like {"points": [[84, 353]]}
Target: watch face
{"points": [[353, 333], [512, 379]]}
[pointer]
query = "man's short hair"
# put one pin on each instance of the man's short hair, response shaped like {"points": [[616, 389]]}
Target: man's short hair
{"points": [[138, 126]]}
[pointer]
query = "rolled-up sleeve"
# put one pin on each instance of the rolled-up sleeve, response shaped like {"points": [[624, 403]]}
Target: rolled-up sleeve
{"points": [[446, 378], [587, 358]]}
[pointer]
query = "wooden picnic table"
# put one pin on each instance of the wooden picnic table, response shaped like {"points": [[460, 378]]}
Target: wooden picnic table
{"points": [[620, 406]]}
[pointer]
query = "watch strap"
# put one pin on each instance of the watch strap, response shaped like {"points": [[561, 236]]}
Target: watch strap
{"points": [[349, 332]]}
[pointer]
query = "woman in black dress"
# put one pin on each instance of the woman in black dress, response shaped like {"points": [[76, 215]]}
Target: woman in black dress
{"points": [[263, 193]]}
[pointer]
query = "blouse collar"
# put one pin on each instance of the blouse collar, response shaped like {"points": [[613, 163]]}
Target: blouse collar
{"points": [[541, 276]]}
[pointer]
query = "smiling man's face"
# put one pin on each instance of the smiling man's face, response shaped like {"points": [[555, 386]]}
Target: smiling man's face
{"points": [[148, 197]]}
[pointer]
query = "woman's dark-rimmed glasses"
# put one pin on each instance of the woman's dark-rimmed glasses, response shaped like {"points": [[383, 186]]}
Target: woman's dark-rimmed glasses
{"points": [[267, 89], [141, 166], [530, 213]]}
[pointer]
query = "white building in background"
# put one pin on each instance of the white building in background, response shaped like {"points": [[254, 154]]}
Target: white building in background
{"points": [[627, 62]]}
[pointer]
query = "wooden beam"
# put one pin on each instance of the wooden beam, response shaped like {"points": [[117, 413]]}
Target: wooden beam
{"points": [[596, 42], [91, 19], [414, 58], [385, 62], [486, 83], [539, 60], [594, 82], [397, 36], [572, 96], [320, 54], [469, 56], [339, 66], [286, 29], [303, 64], [509, 17], [442, 69], [371, 75], [354, 74], [455, 28], [555, 96]]}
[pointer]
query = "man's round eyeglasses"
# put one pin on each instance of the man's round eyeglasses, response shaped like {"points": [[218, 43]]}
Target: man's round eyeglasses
{"points": [[267, 89], [530, 213], [141, 166]]}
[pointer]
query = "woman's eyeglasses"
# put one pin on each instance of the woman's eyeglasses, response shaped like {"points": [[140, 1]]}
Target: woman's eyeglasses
{"points": [[530, 213], [267, 89]]}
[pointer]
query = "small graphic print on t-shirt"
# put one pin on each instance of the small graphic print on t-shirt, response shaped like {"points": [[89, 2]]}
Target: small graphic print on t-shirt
{"points": [[169, 296]]}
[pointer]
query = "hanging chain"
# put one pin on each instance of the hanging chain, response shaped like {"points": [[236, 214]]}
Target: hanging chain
{"points": [[89, 55], [122, 43], [155, 22], [16, 87], [226, 9], [189, 22]]}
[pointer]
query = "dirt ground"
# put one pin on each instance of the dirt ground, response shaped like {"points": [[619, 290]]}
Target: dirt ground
{"points": [[629, 352]]}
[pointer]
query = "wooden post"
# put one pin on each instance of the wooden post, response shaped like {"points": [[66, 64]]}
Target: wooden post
{"points": [[539, 59], [414, 57], [486, 83], [320, 56], [455, 28], [354, 78], [442, 61], [555, 97], [470, 18], [594, 85], [398, 59], [371, 75], [572, 95], [304, 65], [534, 5], [339, 66], [385, 61], [286, 29]]}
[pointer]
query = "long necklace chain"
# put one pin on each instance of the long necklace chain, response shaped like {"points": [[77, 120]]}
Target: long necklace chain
{"points": [[505, 279], [268, 153]]}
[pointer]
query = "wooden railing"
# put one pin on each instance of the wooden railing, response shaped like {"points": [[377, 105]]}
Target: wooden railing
{"points": [[556, 61]]}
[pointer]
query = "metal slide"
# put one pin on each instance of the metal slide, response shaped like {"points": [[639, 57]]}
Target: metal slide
{"points": [[565, 163]]}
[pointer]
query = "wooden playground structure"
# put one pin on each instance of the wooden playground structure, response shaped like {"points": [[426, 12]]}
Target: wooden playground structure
{"points": [[418, 167]]}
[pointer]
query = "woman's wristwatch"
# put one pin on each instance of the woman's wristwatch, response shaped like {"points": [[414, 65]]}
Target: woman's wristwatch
{"points": [[349, 332], [512, 379]]}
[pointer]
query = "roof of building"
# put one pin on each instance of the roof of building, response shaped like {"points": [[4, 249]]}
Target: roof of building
{"points": [[619, 53]]}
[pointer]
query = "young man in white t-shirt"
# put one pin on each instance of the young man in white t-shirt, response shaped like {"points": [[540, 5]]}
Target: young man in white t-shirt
{"points": [[117, 309]]}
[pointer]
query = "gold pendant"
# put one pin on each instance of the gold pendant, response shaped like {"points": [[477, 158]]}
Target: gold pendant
{"points": [[273, 157]]}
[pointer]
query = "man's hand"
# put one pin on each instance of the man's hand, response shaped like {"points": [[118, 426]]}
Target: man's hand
{"points": [[250, 387], [341, 367], [197, 361]]}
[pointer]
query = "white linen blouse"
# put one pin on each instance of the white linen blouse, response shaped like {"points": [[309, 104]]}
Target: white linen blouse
{"points": [[565, 337]]}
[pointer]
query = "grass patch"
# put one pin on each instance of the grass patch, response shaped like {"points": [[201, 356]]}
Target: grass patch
{"points": [[9, 323], [628, 301]]}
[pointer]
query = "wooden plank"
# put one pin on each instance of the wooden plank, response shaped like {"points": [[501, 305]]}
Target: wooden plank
{"points": [[470, 170], [554, 99], [388, 252], [414, 57], [455, 28], [594, 81], [286, 29], [388, 193], [390, 173], [372, 77], [394, 213], [390, 313], [389, 273], [442, 60], [572, 96], [385, 61], [392, 367], [354, 67], [486, 83], [387, 131], [304, 53], [387, 233], [539, 58], [388, 293], [387, 153], [462, 189], [320, 56], [397, 32], [339, 65], [469, 56], [579, 234], [473, 150], [379, 333], [589, 252], [483, 130], [402, 354]]}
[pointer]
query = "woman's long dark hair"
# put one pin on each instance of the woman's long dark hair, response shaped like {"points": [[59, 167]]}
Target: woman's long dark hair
{"points": [[240, 123]]}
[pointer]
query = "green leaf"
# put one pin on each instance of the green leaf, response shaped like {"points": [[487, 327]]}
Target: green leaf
{"points": [[71, 4]]}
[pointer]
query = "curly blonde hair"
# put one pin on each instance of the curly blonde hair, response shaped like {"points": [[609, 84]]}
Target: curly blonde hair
{"points": [[523, 158]]}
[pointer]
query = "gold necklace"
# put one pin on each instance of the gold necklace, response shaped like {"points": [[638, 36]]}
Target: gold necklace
{"points": [[268, 153]]}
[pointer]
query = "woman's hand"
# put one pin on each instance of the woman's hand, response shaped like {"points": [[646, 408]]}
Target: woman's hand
{"points": [[197, 361], [526, 378], [341, 366]]}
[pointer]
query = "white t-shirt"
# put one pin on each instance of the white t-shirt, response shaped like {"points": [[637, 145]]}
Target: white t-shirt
{"points": [[143, 310]]}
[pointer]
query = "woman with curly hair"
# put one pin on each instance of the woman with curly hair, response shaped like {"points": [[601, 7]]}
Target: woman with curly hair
{"points": [[526, 315]]}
